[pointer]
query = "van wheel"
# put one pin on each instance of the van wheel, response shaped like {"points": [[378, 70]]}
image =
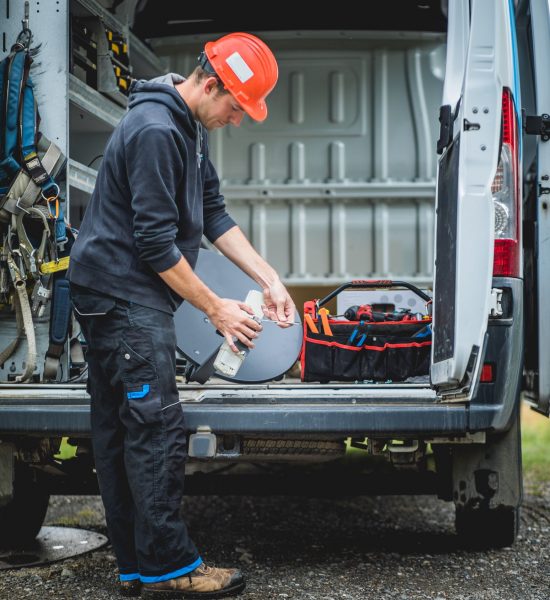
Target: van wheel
{"points": [[488, 489], [486, 528], [22, 518]]}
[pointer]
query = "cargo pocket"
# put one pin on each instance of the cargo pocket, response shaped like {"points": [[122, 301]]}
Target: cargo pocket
{"points": [[141, 385], [145, 402]]}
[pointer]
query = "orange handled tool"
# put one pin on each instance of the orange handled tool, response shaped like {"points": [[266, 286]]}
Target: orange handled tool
{"points": [[323, 313], [310, 323]]}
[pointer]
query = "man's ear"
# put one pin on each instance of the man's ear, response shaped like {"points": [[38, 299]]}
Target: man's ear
{"points": [[210, 85]]}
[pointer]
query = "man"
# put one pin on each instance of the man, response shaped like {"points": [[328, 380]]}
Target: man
{"points": [[132, 264]]}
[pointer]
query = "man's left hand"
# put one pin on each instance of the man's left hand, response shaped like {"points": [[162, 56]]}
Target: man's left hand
{"points": [[279, 306]]}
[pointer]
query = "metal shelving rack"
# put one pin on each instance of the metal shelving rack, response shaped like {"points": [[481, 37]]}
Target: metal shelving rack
{"points": [[76, 117], [84, 98], [92, 115]]}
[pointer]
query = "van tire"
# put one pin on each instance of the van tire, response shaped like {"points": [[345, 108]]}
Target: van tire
{"points": [[22, 518], [485, 528], [488, 489]]}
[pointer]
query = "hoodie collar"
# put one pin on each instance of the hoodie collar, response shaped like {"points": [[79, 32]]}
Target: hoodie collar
{"points": [[171, 79], [161, 90]]}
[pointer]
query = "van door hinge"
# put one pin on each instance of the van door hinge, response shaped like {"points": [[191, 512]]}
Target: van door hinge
{"points": [[537, 126], [495, 306]]}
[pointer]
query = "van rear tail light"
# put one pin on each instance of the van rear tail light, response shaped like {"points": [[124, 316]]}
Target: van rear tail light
{"points": [[505, 191], [487, 373]]}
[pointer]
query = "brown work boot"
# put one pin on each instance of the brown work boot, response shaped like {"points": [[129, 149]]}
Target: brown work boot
{"points": [[203, 582], [130, 588]]}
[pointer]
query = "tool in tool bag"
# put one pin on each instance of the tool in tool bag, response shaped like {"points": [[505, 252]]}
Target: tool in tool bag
{"points": [[424, 332], [355, 313], [323, 313], [361, 340], [311, 325], [372, 346], [356, 330], [366, 311]]}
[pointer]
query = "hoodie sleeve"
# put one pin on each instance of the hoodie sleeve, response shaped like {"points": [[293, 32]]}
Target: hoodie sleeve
{"points": [[216, 219], [155, 168]]}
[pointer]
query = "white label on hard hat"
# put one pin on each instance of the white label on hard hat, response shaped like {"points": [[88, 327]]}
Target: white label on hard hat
{"points": [[239, 67]]}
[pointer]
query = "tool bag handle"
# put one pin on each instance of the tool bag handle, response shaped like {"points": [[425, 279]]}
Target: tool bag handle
{"points": [[373, 283]]}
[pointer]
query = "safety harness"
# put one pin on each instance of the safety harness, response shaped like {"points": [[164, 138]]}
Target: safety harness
{"points": [[35, 237]]}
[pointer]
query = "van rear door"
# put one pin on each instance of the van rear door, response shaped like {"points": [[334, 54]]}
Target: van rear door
{"points": [[538, 40], [481, 54]]}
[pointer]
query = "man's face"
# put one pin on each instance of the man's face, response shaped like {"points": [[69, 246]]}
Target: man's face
{"points": [[218, 110]]}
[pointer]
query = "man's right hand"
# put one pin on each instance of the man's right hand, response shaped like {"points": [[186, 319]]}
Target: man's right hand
{"points": [[230, 320], [226, 315]]}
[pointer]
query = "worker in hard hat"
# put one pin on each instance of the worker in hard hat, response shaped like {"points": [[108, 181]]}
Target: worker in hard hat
{"points": [[156, 194]]}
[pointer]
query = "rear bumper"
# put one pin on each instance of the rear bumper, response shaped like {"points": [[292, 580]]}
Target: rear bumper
{"points": [[272, 409], [270, 413]]}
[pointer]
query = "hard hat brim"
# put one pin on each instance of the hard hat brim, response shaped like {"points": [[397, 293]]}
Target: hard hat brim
{"points": [[256, 111]]}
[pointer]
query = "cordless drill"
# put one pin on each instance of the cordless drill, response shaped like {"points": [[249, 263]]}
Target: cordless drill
{"points": [[366, 313]]}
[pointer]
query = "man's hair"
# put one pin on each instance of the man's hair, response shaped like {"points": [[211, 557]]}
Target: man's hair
{"points": [[199, 74]]}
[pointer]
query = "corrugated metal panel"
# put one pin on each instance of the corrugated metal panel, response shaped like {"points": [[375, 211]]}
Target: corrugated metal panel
{"points": [[317, 241], [339, 181]]}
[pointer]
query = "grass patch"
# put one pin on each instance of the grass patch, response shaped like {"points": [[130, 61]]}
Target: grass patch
{"points": [[78, 519], [535, 439]]}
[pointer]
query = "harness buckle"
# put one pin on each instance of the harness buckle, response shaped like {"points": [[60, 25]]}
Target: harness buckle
{"points": [[39, 298]]}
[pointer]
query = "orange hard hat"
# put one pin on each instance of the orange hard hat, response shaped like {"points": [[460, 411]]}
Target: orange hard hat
{"points": [[246, 67]]}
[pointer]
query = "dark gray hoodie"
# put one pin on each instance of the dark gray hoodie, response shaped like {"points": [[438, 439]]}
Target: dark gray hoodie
{"points": [[156, 194]]}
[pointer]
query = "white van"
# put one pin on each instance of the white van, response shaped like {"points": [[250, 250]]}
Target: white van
{"points": [[410, 146]]}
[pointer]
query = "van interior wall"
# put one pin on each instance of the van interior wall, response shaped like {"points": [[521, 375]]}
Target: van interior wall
{"points": [[339, 182]]}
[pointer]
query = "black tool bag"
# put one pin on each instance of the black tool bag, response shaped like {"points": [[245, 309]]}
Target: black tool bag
{"points": [[386, 350]]}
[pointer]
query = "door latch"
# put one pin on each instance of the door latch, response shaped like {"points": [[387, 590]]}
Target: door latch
{"points": [[537, 126], [469, 126], [495, 303]]}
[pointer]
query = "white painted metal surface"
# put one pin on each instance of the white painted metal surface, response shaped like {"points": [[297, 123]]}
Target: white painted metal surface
{"points": [[540, 19], [339, 182], [457, 49], [489, 68], [49, 69]]}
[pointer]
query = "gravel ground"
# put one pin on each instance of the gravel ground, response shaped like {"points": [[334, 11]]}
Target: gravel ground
{"points": [[390, 547]]}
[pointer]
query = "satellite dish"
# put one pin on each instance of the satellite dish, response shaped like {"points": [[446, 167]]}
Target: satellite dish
{"points": [[276, 348]]}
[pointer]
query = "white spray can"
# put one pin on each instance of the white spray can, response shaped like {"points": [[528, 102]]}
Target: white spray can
{"points": [[228, 362]]}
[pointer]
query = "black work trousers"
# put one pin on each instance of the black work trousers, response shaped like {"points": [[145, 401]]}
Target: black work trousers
{"points": [[138, 434]]}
